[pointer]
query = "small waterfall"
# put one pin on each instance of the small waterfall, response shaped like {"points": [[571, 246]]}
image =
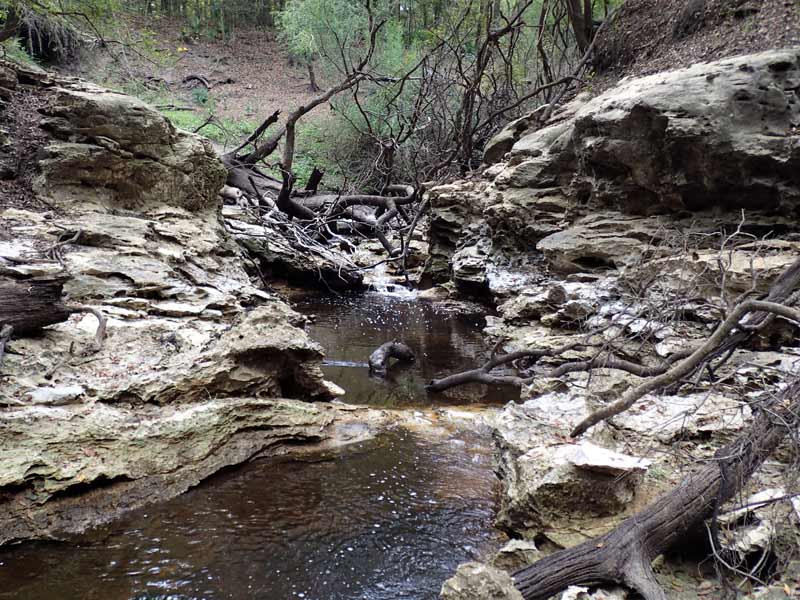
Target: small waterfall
{"points": [[382, 282]]}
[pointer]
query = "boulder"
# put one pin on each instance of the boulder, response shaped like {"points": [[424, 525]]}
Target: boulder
{"points": [[125, 151], [548, 485], [713, 134], [477, 581]]}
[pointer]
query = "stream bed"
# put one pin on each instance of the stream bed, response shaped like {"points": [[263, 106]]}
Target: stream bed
{"points": [[385, 519]]}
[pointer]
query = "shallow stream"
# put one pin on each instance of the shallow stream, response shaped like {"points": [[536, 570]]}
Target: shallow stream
{"points": [[380, 520]]}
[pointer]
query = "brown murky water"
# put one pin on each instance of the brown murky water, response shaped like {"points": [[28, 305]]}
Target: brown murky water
{"points": [[444, 341], [387, 519]]}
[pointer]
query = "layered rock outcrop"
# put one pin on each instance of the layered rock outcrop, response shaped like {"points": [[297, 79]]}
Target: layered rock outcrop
{"points": [[692, 147], [197, 364], [622, 225]]}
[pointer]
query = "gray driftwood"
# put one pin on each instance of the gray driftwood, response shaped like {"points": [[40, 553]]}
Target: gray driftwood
{"points": [[379, 360]]}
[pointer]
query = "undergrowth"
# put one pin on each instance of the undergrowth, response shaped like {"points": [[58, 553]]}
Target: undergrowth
{"points": [[13, 50]]}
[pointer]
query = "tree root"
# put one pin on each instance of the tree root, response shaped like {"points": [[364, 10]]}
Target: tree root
{"points": [[625, 554], [100, 332]]}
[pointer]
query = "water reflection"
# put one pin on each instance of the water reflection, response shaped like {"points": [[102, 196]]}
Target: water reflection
{"points": [[351, 327], [383, 522]]}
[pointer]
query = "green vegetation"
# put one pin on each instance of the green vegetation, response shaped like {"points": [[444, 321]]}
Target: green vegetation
{"points": [[417, 88], [14, 51]]}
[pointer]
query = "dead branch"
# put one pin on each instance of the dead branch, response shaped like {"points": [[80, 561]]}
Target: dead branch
{"points": [[100, 332], [689, 364], [625, 554]]}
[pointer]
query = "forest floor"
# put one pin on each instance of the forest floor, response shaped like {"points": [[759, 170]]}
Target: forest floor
{"points": [[651, 36], [250, 75]]}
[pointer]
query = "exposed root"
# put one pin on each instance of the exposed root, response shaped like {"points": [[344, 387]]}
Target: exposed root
{"points": [[625, 554], [100, 333]]}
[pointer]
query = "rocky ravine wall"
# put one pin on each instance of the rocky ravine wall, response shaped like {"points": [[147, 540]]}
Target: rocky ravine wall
{"points": [[699, 143], [197, 362], [609, 218]]}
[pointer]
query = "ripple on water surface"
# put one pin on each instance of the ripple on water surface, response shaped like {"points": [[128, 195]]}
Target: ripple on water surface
{"points": [[444, 341], [387, 520]]}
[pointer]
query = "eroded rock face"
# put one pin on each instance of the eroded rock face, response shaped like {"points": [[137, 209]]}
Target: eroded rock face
{"points": [[197, 362], [608, 222], [63, 469], [712, 137], [119, 144]]}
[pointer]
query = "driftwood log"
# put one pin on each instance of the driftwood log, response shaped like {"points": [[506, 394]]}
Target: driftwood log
{"points": [[29, 305], [379, 360], [625, 554]]}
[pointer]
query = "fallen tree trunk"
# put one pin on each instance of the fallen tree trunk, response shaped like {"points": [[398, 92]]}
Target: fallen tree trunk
{"points": [[379, 360], [30, 304], [625, 554]]}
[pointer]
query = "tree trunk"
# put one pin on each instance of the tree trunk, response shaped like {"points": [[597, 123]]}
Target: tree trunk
{"points": [[312, 77], [581, 25], [624, 555], [30, 304]]}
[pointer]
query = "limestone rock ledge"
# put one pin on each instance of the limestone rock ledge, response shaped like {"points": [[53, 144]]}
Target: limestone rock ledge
{"points": [[66, 468], [610, 176], [200, 368]]}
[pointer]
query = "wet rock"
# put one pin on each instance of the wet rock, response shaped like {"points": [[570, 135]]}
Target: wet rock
{"points": [[113, 459], [477, 581], [8, 76]]}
